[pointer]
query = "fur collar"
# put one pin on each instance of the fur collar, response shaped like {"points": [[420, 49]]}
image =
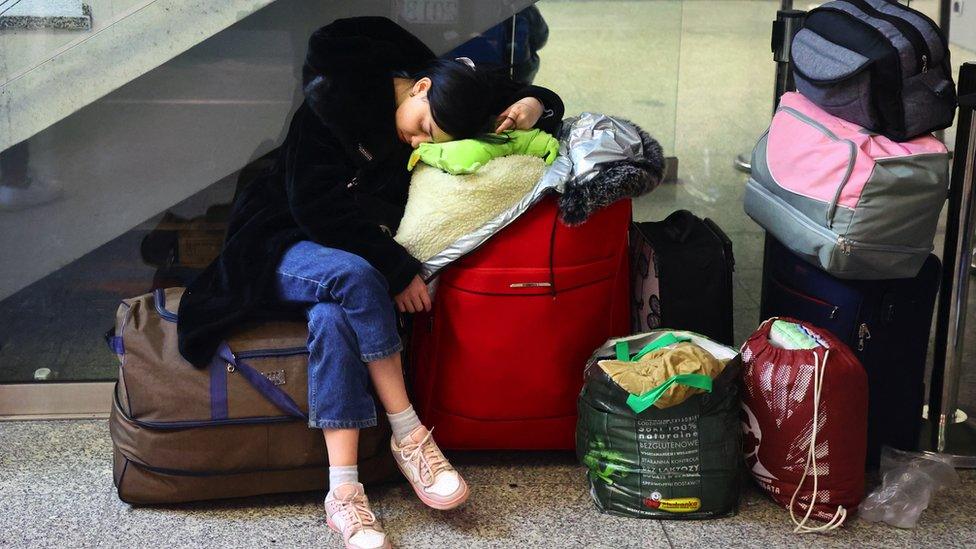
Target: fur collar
{"points": [[614, 181]]}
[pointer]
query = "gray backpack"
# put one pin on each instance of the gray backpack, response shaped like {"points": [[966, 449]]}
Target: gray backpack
{"points": [[878, 64]]}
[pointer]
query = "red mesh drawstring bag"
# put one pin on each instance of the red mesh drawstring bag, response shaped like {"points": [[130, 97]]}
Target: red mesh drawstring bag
{"points": [[805, 425]]}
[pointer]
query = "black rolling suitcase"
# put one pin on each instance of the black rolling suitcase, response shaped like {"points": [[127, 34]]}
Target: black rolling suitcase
{"points": [[885, 322], [681, 276]]}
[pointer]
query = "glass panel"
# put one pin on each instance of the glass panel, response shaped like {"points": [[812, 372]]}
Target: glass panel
{"points": [[698, 76], [616, 57], [140, 180], [132, 191]]}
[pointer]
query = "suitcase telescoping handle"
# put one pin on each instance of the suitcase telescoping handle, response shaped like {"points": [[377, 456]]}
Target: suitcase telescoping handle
{"points": [[225, 362]]}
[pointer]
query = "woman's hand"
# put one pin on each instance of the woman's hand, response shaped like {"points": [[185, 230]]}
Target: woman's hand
{"points": [[522, 115], [414, 298]]}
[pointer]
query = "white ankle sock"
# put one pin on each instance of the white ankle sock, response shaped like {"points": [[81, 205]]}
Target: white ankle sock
{"points": [[342, 474], [404, 423]]}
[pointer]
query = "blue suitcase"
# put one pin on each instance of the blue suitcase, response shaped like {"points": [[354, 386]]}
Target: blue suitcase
{"points": [[885, 322]]}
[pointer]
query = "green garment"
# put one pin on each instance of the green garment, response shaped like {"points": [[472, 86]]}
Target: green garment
{"points": [[467, 155]]}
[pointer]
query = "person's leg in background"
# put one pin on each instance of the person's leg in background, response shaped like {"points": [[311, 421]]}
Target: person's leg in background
{"points": [[18, 188]]}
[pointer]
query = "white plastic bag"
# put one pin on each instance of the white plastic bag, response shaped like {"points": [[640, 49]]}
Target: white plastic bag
{"points": [[908, 481]]}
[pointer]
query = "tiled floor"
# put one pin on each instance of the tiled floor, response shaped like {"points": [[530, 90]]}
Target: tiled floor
{"points": [[56, 491]]}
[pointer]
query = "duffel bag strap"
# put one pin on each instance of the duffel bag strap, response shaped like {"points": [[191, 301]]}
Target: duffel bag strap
{"points": [[114, 342], [640, 403], [218, 385], [623, 347]]}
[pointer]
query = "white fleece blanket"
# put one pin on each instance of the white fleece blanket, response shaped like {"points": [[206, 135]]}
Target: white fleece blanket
{"points": [[441, 208]]}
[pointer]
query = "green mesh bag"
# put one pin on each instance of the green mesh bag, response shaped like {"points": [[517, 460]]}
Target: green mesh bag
{"points": [[680, 462]]}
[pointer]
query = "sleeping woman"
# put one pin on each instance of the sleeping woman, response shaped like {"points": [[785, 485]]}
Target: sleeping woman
{"points": [[315, 233]]}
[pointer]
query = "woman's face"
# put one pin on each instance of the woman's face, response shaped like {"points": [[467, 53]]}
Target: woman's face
{"points": [[414, 123]]}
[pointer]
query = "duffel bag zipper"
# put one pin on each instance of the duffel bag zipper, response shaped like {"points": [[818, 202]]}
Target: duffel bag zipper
{"points": [[256, 353], [824, 232], [852, 157], [933, 26], [194, 423], [921, 47], [848, 247], [267, 353], [184, 473]]}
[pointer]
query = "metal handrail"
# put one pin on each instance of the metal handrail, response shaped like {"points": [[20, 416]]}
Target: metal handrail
{"points": [[957, 258]]}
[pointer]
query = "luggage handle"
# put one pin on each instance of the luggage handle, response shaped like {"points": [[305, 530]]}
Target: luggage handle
{"points": [[640, 403], [623, 347], [218, 385], [113, 341]]}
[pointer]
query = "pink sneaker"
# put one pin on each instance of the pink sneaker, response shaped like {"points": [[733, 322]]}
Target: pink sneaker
{"points": [[347, 511], [433, 479]]}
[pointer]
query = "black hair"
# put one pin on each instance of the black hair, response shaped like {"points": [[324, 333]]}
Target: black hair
{"points": [[462, 99]]}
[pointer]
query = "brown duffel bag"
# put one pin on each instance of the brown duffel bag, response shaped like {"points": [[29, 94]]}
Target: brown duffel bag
{"points": [[236, 428]]}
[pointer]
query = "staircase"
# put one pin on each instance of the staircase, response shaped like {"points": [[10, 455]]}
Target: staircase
{"points": [[47, 75]]}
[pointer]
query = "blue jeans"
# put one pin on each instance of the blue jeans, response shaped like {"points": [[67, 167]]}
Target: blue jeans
{"points": [[351, 321]]}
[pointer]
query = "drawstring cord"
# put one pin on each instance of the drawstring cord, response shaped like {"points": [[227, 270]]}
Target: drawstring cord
{"points": [[819, 370]]}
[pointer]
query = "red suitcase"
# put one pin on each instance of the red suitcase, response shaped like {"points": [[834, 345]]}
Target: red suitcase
{"points": [[498, 362]]}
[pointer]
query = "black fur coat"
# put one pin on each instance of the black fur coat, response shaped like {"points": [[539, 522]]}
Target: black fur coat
{"points": [[339, 179]]}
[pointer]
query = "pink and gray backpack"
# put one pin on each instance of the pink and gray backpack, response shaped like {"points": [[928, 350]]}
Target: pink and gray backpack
{"points": [[857, 204]]}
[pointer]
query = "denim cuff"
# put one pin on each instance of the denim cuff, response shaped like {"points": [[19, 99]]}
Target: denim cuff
{"points": [[390, 350], [342, 423]]}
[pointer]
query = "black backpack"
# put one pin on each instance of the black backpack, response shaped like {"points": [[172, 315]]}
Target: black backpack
{"points": [[681, 276]]}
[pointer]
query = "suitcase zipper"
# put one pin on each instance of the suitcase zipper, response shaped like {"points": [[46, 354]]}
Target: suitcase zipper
{"points": [[552, 257], [834, 309], [727, 254], [863, 334]]}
